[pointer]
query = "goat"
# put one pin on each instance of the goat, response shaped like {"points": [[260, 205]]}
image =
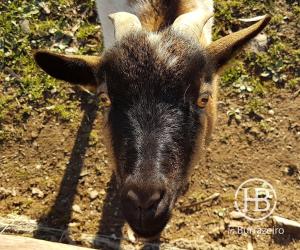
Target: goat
{"points": [[159, 76]]}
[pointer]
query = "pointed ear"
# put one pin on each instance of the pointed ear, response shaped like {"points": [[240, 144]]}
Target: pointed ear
{"points": [[222, 50], [83, 70]]}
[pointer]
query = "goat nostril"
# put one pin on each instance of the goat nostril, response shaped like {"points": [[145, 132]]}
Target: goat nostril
{"points": [[154, 200], [145, 201], [133, 197]]}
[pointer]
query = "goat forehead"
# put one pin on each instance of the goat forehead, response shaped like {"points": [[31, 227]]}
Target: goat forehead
{"points": [[154, 140], [153, 135], [162, 59], [157, 115]]}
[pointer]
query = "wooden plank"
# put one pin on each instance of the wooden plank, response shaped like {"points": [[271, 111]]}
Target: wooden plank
{"points": [[11, 242]]}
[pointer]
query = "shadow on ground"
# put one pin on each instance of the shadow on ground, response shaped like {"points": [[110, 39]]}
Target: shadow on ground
{"points": [[60, 214], [109, 234], [112, 221]]}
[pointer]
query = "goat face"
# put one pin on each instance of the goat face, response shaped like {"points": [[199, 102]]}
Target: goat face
{"points": [[154, 122], [159, 86]]}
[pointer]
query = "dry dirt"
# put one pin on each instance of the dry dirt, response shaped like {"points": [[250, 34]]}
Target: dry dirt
{"points": [[66, 165]]}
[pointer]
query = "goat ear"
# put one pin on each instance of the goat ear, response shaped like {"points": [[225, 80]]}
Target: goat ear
{"points": [[222, 50], [82, 70]]}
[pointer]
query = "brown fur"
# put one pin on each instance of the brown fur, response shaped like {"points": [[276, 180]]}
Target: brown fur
{"points": [[156, 15]]}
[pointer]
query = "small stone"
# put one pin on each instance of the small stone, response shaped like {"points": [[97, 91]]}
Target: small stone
{"points": [[34, 135], [45, 7], [221, 213], [53, 91], [25, 26], [260, 42], [84, 173], [236, 215], [93, 194], [76, 209], [271, 112], [37, 192]]}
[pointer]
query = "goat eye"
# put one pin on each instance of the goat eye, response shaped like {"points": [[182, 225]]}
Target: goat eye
{"points": [[203, 100], [104, 100]]}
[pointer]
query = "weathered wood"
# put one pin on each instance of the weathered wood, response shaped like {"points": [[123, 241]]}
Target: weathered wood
{"points": [[11, 242]]}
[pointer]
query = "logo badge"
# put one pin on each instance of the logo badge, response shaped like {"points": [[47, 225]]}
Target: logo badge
{"points": [[256, 199]]}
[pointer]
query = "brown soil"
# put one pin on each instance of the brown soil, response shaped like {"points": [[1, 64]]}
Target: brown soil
{"points": [[65, 164]]}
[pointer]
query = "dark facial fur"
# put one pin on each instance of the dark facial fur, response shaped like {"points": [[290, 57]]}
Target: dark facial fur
{"points": [[153, 83]]}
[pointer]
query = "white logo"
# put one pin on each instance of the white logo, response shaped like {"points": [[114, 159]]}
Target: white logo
{"points": [[256, 199]]}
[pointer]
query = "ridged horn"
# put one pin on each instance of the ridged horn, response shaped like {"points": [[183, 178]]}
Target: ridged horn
{"points": [[124, 23], [192, 23]]}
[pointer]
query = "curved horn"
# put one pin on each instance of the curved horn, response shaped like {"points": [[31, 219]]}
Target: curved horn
{"points": [[192, 23], [124, 23]]}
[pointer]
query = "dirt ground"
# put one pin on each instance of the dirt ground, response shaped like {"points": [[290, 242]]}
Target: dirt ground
{"points": [[56, 172], [65, 165]]}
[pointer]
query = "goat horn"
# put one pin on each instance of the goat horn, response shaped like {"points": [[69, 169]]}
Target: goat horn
{"points": [[192, 23], [124, 23]]}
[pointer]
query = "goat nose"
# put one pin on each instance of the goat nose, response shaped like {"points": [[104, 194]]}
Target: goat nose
{"points": [[145, 200]]}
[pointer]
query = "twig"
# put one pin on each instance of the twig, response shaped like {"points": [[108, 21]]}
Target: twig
{"points": [[296, 94], [210, 198]]}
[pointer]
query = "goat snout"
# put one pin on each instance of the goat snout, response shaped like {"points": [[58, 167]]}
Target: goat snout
{"points": [[146, 202], [145, 206]]}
